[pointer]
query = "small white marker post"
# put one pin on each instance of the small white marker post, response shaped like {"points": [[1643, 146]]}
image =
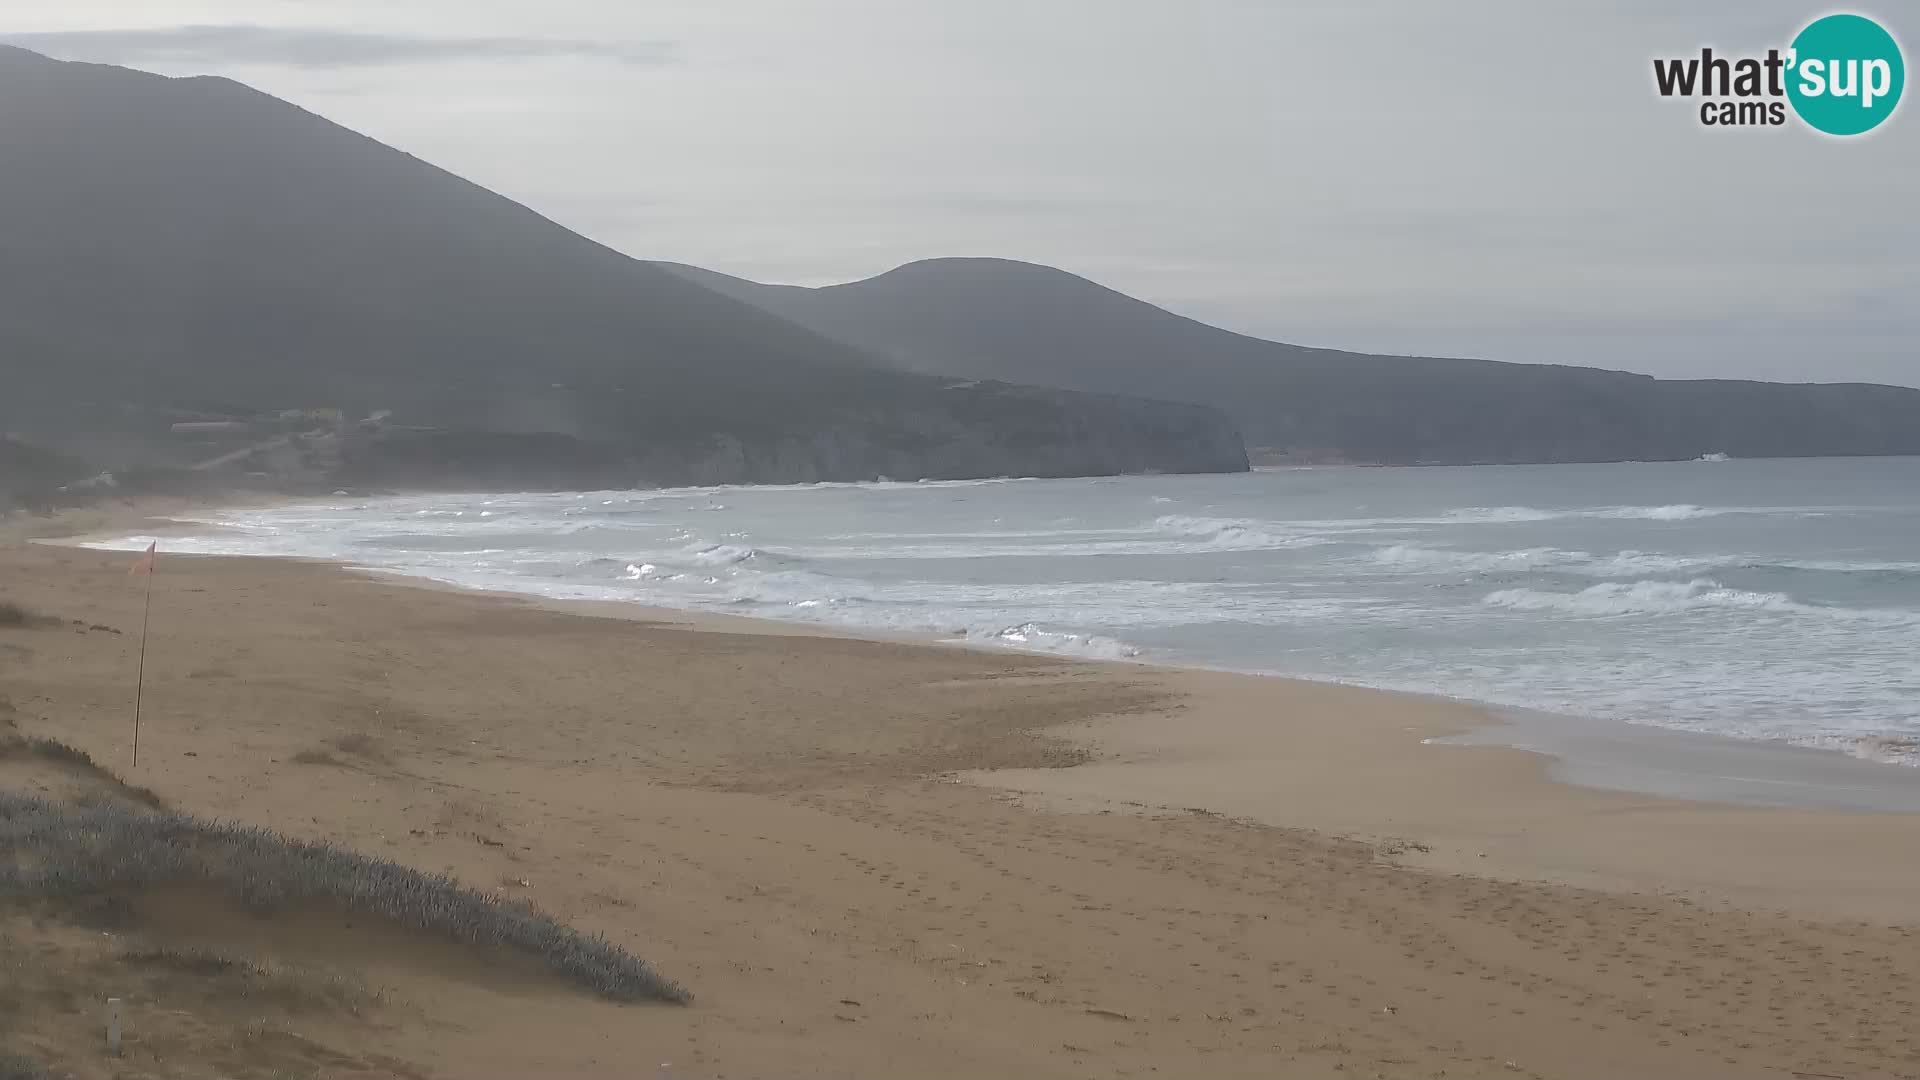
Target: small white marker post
{"points": [[113, 1026]]}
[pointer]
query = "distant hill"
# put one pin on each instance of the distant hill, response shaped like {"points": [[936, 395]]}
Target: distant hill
{"points": [[994, 318], [192, 249]]}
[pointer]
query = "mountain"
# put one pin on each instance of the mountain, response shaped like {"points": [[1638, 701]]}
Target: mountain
{"points": [[993, 318], [194, 250]]}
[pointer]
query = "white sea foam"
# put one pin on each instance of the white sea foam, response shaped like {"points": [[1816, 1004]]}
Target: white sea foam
{"points": [[1168, 535], [1522, 515], [1842, 566], [1674, 512], [1234, 534], [790, 587], [718, 554], [1416, 558], [1678, 597], [1641, 598], [1637, 563], [1502, 515], [1419, 559], [1031, 637]]}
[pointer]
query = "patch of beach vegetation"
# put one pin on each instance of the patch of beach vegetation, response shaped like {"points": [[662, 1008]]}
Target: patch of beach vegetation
{"points": [[49, 765], [185, 1011], [63, 852], [20, 1067], [212, 972]]}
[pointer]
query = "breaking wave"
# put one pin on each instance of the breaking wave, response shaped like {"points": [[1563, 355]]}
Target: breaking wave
{"points": [[1415, 558], [1032, 637], [1674, 512], [1679, 597], [719, 554], [1641, 598], [1234, 534], [1498, 515]]}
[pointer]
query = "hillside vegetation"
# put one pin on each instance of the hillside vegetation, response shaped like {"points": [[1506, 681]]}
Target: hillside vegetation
{"points": [[192, 250], [994, 318]]}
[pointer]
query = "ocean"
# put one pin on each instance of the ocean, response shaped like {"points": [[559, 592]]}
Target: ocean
{"points": [[1768, 599]]}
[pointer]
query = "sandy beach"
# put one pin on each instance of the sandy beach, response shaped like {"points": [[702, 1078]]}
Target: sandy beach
{"points": [[871, 858]]}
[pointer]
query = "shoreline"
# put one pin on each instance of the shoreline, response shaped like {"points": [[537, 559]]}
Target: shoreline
{"points": [[1478, 771], [1418, 778], [1602, 755], [1608, 755], [1618, 755], [1245, 876]]}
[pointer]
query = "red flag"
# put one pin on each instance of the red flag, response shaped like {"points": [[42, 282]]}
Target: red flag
{"points": [[143, 564]]}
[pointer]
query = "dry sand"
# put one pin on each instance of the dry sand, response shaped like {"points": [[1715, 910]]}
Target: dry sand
{"points": [[779, 821]]}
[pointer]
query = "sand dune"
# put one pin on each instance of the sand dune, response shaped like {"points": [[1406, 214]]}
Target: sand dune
{"points": [[778, 821]]}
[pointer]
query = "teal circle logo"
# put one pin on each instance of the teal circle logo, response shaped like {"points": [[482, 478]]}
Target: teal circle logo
{"points": [[1845, 74]]}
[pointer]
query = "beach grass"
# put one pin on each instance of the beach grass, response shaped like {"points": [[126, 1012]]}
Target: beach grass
{"points": [[56, 751], [54, 851], [289, 985], [20, 1067]]}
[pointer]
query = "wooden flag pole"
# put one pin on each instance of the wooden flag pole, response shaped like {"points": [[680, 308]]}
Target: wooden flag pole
{"points": [[140, 678]]}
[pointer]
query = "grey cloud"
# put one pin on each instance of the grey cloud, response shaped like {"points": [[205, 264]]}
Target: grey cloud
{"points": [[1370, 192], [318, 48], [1013, 205]]}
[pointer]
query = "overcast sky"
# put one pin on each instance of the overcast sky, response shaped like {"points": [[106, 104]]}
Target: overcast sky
{"points": [[1472, 179]]}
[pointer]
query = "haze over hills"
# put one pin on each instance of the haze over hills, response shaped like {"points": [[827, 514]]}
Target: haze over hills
{"points": [[191, 249], [999, 319]]}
